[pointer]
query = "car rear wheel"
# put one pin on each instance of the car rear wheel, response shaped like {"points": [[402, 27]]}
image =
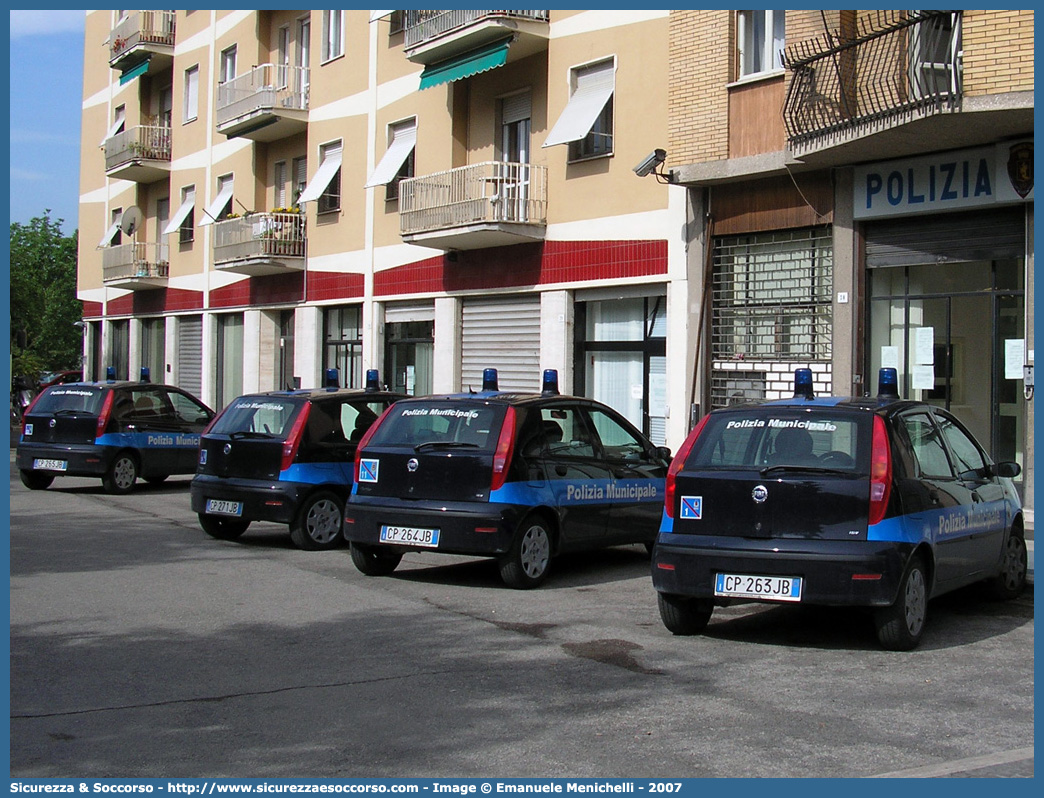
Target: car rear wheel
{"points": [[318, 523], [1011, 581], [373, 561], [684, 615], [223, 528], [526, 565], [122, 474], [899, 627], [34, 480]]}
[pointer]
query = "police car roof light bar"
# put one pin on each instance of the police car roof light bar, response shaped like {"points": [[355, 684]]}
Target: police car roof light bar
{"points": [[373, 380], [333, 381], [489, 380], [110, 373], [550, 386], [888, 384], [803, 384], [145, 374]]}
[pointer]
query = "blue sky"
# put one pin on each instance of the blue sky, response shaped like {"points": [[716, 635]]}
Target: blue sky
{"points": [[46, 79]]}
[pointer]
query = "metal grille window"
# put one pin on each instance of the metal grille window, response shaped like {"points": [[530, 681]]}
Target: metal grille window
{"points": [[736, 387], [772, 296]]}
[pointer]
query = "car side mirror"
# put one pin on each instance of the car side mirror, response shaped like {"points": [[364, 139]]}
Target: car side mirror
{"points": [[1006, 469], [664, 452]]}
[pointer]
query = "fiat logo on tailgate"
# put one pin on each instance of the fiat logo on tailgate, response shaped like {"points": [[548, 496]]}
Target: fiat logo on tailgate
{"points": [[411, 464], [759, 494], [227, 448]]}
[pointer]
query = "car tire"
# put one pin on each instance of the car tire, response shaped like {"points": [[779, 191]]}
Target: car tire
{"points": [[1011, 581], [34, 480], [684, 615], [122, 474], [525, 566], [900, 626], [159, 479], [222, 528], [318, 524], [373, 561]]}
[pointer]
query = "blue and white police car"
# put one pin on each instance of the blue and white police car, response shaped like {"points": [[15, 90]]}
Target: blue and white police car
{"points": [[518, 477], [118, 431], [871, 501]]}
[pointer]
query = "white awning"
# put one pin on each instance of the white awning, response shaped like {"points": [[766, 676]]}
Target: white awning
{"points": [[594, 87], [327, 169], [213, 211], [107, 238], [376, 15], [404, 140], [117, 126], [179, 218]]}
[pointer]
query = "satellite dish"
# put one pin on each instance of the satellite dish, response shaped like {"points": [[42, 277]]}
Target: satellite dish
{"points": [[131, 220]]}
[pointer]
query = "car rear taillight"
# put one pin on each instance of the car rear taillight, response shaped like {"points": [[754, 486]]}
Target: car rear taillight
{"points": [[29, 408], [104, 413], [677, 464], [880, 472], [504, 450], [365, 439], [293, 439]]}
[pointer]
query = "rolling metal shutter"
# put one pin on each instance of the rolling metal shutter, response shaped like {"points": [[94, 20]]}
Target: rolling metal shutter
{"points": [[947, 238], [190, 354], [505, 335]]}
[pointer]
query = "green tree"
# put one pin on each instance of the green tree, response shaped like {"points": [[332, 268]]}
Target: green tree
{"points": [[44, 307]]}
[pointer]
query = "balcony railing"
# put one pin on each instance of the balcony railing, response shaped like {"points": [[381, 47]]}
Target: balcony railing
{"points": [[268, 87], [259, 236], [146, 142], [493, 192], [898, 66], [141, 28], [423, 26], [135, 260]]}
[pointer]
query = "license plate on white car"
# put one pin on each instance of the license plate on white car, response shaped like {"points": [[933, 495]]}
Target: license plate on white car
{"points": [[39, 464], [410, 536], [773, 588], [222, 507]]}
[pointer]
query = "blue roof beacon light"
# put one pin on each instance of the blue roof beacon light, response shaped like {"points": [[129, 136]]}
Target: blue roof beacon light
{"points": [[110, 373], [373, 380], [489, 380], [332, 381], [888, 384], [803, 384], [550, 386], [145, 374]]}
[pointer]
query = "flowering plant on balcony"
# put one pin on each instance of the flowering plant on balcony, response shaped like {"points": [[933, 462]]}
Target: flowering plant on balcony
{"points": [[292, 209], [118, 44]]}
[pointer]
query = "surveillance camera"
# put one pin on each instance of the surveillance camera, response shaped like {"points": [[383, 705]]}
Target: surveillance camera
{"points": [[650, 162]]}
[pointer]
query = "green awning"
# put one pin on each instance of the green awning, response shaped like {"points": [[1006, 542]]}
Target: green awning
{"points": [[129, 75], [464, 66]]}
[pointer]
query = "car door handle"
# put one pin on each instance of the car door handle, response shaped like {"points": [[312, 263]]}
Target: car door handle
{"points": [[934, 496], [561, 470]]}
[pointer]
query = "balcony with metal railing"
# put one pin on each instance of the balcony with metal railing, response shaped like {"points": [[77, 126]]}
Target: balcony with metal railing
{"points": [[142, 36], [433, 36], [135, 266], [894, 68], [267, 103], [482, 205], [141, 154], [260, 243]]}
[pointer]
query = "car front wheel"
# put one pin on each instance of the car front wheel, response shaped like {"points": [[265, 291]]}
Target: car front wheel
{"points": [[899, 627], [526, 564], [374, 561], [122, 474], [684, 615], [318, 523]]}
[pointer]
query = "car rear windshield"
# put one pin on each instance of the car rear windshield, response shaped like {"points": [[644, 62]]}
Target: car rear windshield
{"points": [[764, 438], [261, 415], [472, 425], [70, 399]]}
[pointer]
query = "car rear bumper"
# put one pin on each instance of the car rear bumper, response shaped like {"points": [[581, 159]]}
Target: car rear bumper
{"points": [[269, 500], [83, 460], [477, 528], [834, 572]]}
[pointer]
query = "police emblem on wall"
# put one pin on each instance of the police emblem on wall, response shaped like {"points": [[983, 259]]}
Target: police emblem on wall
{"points": [[1020, 168]]}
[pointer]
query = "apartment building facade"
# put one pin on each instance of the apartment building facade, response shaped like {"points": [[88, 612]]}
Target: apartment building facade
{"points": [[860, 194], [269, 194]]}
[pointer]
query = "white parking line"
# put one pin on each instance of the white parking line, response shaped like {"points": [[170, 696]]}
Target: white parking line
{"points": [[960, 765]]}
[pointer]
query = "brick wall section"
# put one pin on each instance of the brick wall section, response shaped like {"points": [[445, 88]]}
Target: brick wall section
{"points": [[998, 52], [701, 47]]}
